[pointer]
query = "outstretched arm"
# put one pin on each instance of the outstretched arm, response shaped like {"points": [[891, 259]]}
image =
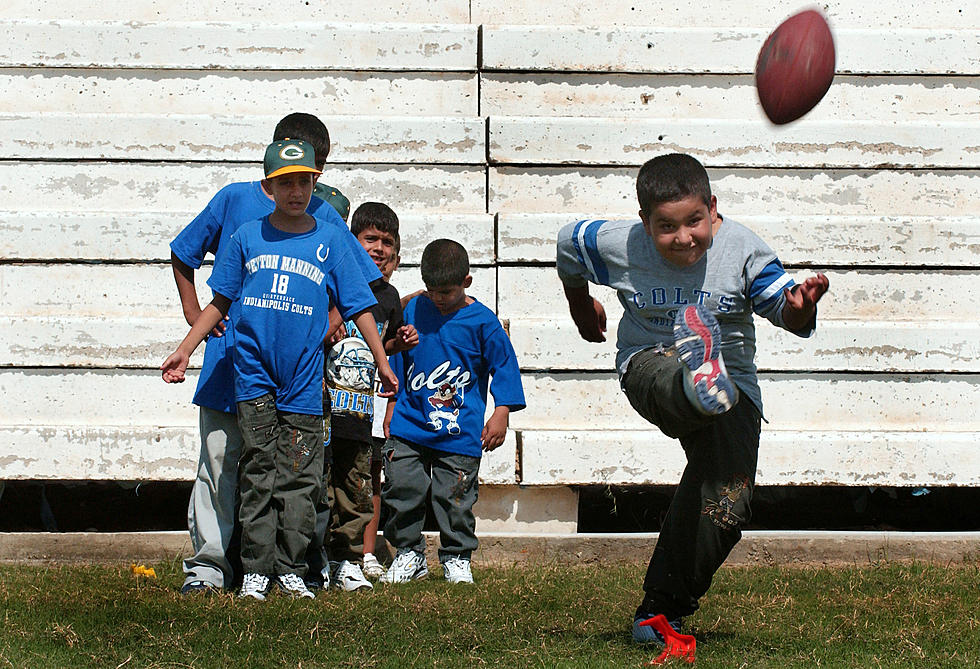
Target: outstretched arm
{"points": [[800, 307], [369, 330], [175, 365], [587, 312]]}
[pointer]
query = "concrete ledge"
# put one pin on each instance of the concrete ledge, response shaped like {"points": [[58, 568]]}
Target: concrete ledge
{"points": [[756, 548]]}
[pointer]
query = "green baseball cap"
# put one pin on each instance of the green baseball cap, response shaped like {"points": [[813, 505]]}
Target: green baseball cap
{"points": [[289, 155], [334, 198]]}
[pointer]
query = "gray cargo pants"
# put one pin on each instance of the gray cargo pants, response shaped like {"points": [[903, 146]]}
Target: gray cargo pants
{"points": [[410, 472], [280, 474]]}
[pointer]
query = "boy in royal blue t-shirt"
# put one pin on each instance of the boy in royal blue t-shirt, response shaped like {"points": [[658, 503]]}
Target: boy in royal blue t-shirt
{"points": [[437, 433], [282, 269], [213, 506]]}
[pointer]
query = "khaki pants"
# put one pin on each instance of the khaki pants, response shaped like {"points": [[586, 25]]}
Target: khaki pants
{"points": [[212, 509]]}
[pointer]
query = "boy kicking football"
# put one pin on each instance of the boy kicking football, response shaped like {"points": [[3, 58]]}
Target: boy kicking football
{"points": [[689, 281]]}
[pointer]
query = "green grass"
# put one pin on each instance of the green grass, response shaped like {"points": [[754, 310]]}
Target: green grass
{"points": [[881, 615]]}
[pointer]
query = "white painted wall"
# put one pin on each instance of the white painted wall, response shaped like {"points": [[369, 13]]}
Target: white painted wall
{"points": [[495, 123]]}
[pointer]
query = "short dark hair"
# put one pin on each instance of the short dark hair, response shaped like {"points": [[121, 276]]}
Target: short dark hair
{"points": [[444, 263], [669, 178], [308, 128], [374, 215]]}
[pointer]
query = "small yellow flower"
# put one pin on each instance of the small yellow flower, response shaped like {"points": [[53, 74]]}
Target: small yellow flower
{"points": [[143, 570]]}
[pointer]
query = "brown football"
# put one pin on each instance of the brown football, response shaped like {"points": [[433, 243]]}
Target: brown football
{"points": [[795, 67]]}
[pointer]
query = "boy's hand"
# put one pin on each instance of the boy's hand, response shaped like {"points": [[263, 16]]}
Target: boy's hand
{"points": [[801, 301], [389, 382], [496, 429], [174, 367], [590, 320], [407, 337], [338, 334]]}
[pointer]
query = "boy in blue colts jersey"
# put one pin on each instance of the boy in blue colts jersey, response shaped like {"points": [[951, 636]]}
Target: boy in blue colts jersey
{"points": [[212, 510], [437, 433], [689, 281], [283, 270]]}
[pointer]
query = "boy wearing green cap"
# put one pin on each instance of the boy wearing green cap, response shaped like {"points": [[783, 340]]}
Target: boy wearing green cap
{"points": [[213, 507], [283, 270]]}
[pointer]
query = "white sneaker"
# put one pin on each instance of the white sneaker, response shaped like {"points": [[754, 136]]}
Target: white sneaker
{"points": [[255, 586], [409, 565], [350, 578], [373, 568], [294, 586], [457, 570]]}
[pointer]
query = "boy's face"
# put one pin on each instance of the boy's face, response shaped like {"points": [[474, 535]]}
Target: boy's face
{"points": [[380, 246], [682, 230], [292, 192], [449, 298]]}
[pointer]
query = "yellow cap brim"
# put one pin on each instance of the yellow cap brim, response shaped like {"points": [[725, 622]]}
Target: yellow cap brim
{"points": [[289, 169]]}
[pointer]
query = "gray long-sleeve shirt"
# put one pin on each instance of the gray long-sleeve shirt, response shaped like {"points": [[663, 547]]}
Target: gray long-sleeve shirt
{"points": [[738, 275]]}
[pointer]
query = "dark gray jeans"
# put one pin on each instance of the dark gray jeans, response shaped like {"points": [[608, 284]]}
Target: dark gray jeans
{"points": [[280, 474], [411, 471], [711, 502]]}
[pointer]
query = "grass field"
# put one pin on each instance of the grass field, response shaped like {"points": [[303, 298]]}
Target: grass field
{"points": [[880, 615]]}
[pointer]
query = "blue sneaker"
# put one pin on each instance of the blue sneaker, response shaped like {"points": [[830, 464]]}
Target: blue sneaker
{"points": [[697, 338], [646, 634]]}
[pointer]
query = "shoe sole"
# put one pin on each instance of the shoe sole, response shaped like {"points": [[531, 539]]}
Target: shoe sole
{"points": [[417, 576], [359, 585], [254, 595], [697, 337]]}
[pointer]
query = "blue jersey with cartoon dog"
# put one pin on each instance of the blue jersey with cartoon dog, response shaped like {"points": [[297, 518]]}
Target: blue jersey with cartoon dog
{"points": [[443, 382]]}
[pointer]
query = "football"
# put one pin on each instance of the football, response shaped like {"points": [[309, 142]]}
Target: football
{"points": [[795, 67]]}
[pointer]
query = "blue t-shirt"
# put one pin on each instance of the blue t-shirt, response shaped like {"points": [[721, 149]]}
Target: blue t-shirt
{"points": [[442, 382], [284, 283], [209, 232]]}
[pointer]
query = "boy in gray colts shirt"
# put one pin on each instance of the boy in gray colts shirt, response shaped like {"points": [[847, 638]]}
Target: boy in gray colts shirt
{"points": [[689, 281]]}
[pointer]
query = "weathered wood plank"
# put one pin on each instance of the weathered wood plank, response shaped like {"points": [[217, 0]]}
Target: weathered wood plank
{"points": [[144, 453], [358, 139], [241, 45], [939, 296], [860, 402], [724, 13], [811, 240], [238, 92], [719, 50], [735, 143], [154, 187], [137, 291], [85, 235], [616, 457], [746, 192], [875, 346], [377, 11], [574, 401], [730, 97]]}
